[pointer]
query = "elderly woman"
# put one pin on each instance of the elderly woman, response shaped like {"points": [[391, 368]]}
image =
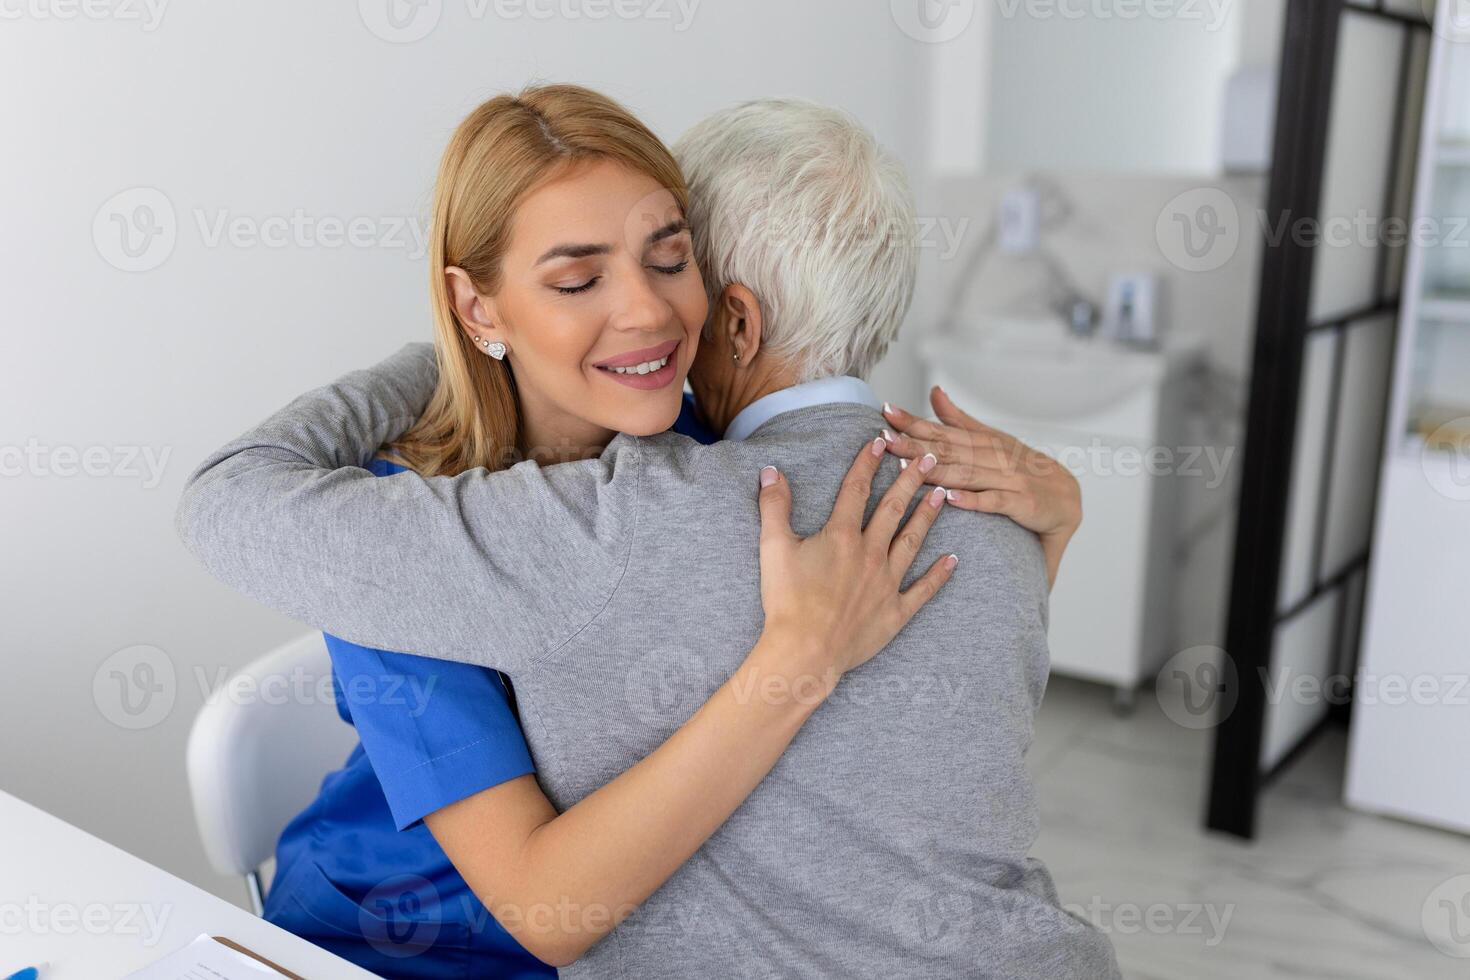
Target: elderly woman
{"points": [[659, 680]]}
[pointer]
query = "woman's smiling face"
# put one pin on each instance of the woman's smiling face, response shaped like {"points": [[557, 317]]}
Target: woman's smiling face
{"points": [[600, 303]]}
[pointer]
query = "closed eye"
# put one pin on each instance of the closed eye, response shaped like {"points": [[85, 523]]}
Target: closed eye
{"points": [[672, 270], [573, 290]]}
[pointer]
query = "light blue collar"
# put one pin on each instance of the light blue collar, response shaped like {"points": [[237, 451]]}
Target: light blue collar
{"points": [[823, 391]]}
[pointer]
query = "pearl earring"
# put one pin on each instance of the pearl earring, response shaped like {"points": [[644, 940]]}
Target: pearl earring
{"points": [[496, 349]]}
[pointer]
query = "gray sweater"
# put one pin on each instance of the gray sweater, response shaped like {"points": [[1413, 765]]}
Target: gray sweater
{"points": [[892, 838]]}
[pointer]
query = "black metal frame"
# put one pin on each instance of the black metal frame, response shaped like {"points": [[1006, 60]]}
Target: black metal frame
{"points": [[1283, 325]]}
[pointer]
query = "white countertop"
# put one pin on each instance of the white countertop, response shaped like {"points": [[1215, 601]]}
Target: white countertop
{"points": [[95, 912]]}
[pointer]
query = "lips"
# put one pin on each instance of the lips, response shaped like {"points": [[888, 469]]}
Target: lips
{"points": [[645, 370], [644, 356]]}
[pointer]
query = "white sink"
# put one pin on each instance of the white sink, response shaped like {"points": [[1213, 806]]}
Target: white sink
{"points": [[1035, 370]]}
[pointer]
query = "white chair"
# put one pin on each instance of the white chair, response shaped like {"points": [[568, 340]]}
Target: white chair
{"points": [[257, 754]]}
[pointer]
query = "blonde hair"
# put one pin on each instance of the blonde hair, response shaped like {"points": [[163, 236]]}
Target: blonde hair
{"points": [[506, 148]]}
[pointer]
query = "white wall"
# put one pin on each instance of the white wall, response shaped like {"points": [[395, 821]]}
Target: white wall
{"points": [[253, 110]]}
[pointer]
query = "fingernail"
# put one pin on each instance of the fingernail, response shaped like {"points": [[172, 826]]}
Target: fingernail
{"points": [[903, 464], [938, 496], [887, 409], [952, 561], [889, 436], [951, 496], [928, 463], [878, 447], [769, 476]]}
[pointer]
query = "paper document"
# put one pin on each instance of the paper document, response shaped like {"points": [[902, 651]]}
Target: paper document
{"points": [[206, 959]]}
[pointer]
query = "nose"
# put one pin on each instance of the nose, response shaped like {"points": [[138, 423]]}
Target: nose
{"points": [[638, 305]]}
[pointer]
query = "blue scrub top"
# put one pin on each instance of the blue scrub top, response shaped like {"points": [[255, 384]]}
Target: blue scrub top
{"points": [[357, 872]]}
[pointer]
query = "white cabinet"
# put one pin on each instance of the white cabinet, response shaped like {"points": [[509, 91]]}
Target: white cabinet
{"points": [[1411, 714]]}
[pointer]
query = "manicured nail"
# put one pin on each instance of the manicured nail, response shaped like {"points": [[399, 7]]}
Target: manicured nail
{"points": [[903, 464], [889, 436], [888, 409], [769, 476], [936, 498], [952, 561], [928, 463], [951, 496], [878, 447]]}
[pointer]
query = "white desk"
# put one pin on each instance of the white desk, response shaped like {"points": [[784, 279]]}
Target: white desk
{"points": [[95, 912]]}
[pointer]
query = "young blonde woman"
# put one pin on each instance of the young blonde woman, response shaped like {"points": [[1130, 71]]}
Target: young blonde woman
{"points": [[560, 240]]}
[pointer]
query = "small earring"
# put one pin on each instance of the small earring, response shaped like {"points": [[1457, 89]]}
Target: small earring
{"points": [[496, 349], [737, 357]]}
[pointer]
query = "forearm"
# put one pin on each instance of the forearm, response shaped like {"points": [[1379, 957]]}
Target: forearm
{"points": [[286, 515], [608, 853]]}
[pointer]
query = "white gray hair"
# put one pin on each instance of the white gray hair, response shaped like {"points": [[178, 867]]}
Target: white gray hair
{"points": [[798, 203]]}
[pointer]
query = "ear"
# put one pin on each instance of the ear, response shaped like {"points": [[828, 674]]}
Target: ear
{"points": [[743, 323], [473, 310]]}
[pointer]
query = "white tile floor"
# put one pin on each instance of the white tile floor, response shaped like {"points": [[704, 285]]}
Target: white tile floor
{"points": [[1323, 892]]}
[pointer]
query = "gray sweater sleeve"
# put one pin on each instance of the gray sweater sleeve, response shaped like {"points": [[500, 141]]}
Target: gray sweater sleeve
{"points": [[494, 568]]}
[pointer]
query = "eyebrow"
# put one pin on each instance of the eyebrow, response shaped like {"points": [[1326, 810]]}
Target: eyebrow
{"points": [[675, 227]]}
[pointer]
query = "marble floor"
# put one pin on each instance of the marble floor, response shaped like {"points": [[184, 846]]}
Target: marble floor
{"points": [[1323, 892]]}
